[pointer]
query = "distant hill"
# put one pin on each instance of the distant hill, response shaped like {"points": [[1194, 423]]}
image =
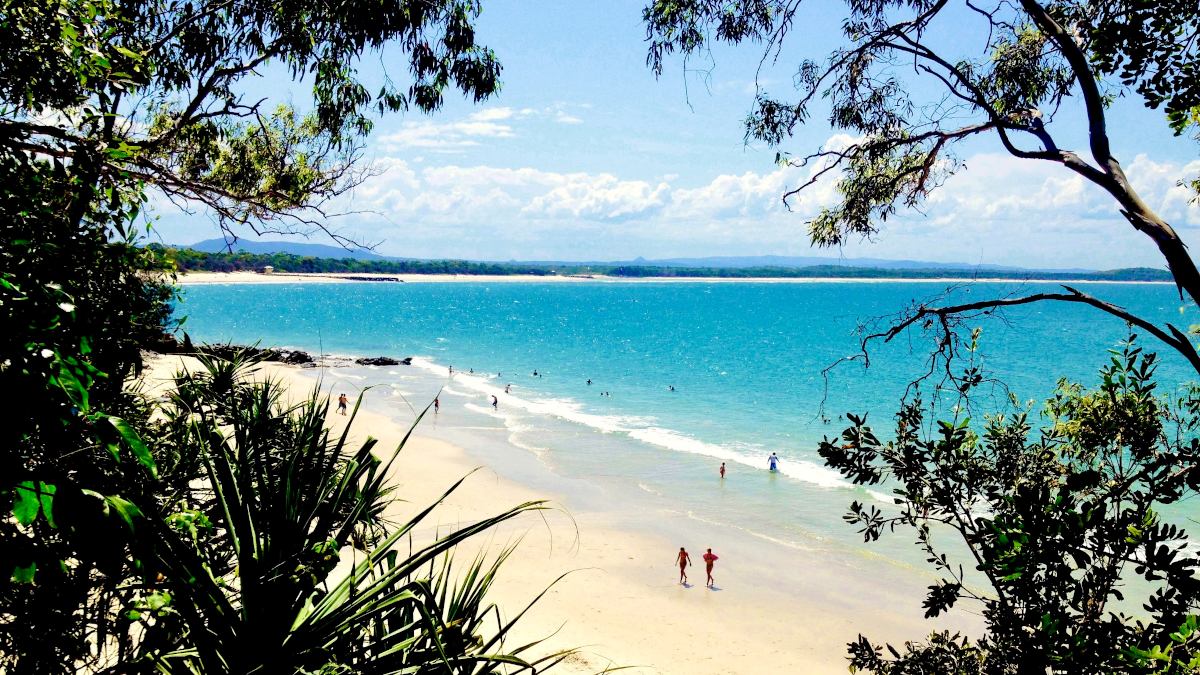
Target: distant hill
{"points": [[189, 259], [713, 262], [802, 262], [292, 248]]}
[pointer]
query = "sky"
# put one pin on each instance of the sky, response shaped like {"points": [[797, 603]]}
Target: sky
{"points": [[585, 155]]}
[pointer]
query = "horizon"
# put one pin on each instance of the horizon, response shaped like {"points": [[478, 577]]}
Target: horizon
{"points": [[583, 149], [865, 262]]}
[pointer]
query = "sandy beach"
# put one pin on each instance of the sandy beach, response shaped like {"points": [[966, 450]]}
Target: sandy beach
{"points": [[197, 278], [620, 602]]}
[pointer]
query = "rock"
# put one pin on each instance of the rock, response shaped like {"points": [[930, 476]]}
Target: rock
{"points": [[379, 361]]}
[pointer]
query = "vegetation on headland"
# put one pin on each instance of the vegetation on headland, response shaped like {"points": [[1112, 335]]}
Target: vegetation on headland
{"points": [[188, 260]]}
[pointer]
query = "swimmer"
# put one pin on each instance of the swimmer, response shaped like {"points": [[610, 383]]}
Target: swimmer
{"points": [[684, 560], [589, 381]]}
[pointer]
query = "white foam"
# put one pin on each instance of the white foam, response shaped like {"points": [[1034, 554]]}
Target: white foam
{"points": [[638, 428], [747, 455], [483, 410]]}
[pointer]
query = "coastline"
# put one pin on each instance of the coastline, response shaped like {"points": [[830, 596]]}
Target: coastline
{"points": [[781, 612], [200, 278]]}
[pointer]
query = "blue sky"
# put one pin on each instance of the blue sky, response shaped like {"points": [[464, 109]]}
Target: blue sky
{"points": [[585, 155]]}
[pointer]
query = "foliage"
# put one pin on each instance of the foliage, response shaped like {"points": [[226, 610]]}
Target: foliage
{"points": [[267, 545], [914, 80], [101, 100], [1078, 570], [164, 92], [75, 304]]}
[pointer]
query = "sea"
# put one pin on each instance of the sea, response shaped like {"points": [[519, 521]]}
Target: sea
{"points": [[627, 396]]}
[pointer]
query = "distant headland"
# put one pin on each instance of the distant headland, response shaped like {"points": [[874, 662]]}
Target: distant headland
{"points": [[291, 258]]}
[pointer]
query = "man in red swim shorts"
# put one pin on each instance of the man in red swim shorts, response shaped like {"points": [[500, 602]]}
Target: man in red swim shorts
{"points": [[709, 559]]}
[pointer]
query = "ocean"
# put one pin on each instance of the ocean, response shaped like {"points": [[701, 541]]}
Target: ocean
{"points": [[683, 376]]}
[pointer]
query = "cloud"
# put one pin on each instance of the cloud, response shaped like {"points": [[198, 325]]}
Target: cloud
{"points": [[445, 136], [997, 209], [458, 136]]}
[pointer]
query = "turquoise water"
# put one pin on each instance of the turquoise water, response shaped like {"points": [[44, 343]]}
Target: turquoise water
{"points": [[744, 359]]}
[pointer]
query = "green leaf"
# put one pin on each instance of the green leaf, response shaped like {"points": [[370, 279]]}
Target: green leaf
{"points": [[25, 502], [126, 510], [24, 575], [46, 495], [135, 444]]}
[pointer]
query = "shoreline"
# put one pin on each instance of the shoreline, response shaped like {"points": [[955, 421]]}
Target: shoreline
{"points": [[201, 278], [781, 611]]}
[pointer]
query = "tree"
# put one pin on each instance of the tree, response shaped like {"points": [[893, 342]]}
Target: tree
{"points": [[911, 89], [100, 102], [1061, 523], [160, 93], [1055, 520], [240, 570]]}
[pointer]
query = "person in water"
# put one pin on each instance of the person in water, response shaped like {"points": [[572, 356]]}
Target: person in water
{"points": [[343, 402], [684, 560], [589, 381], [722, 469], [436, 405], [495, 403], [709, 559], [508, 388], [670, 387], [773, 462]]}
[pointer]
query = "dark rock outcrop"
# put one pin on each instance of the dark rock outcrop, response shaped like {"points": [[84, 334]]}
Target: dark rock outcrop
{"points": [[168, 344], [383, 361]]}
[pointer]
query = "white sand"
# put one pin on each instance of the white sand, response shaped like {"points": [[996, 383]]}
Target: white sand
{"points": [[621, 602], [198, 278]]}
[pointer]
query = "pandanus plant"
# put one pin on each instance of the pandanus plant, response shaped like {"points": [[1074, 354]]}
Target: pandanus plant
{"points": [[278, 557]]}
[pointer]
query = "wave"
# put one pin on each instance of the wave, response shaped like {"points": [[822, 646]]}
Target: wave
{"points": [[638, 428]]}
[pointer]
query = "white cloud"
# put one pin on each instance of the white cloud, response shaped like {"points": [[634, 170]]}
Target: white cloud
{"points": [[445, 136], [998, 210], [458, 136]]}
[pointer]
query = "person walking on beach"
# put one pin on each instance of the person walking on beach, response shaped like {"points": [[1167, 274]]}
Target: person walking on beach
{"points": [[437, 404], [684, 560], [709, 559], [342, 403], [722, 470], [508, 388], [773, 462], [495, 403]]}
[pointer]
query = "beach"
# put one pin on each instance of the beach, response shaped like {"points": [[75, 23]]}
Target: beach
{"points": [[620, 602], [641, 392], [246, 277]]}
